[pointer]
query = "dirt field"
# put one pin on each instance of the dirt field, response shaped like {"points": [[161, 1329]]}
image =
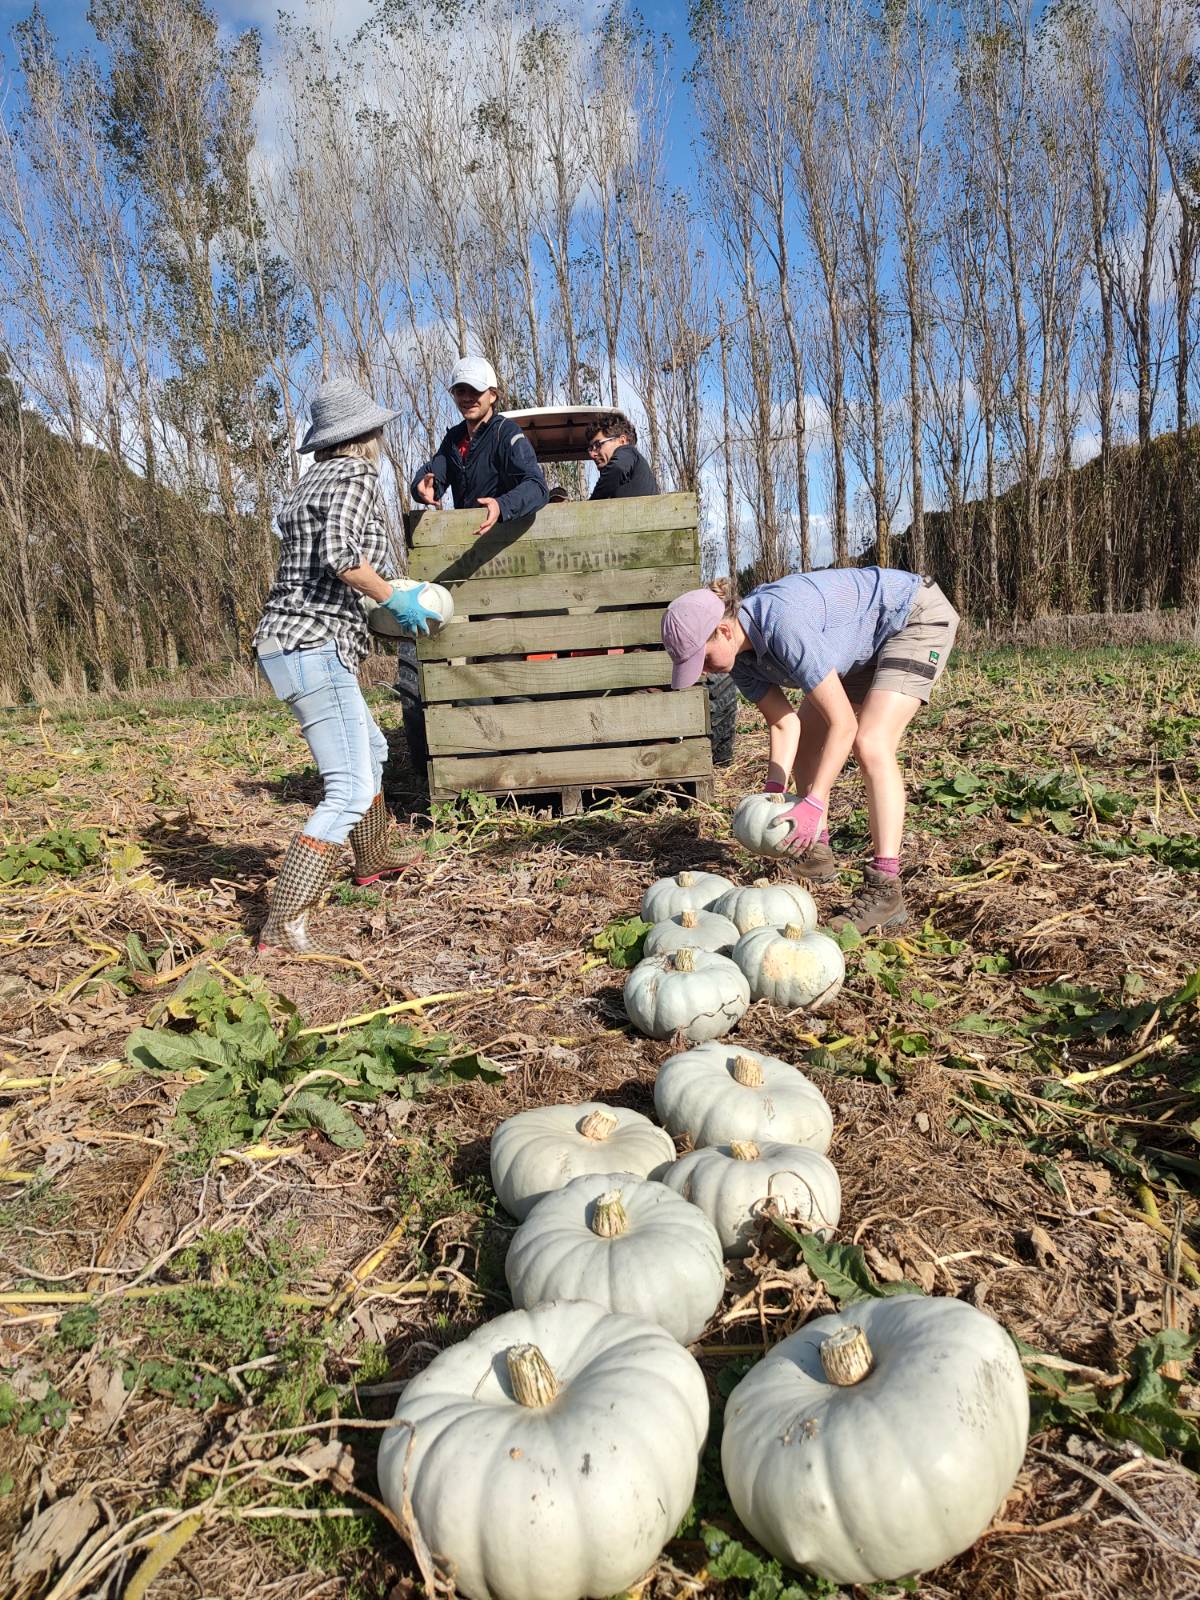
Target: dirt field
{"points": [[207, 1309]]}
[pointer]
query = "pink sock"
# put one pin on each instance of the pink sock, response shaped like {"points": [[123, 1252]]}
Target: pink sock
{"points": [[888, 865], [823, 836]]}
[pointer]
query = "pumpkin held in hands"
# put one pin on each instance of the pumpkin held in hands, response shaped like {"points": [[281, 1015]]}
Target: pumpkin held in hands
{"points": [[758, 823]]}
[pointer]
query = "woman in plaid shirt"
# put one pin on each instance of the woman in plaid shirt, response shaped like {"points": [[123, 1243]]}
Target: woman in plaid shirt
{"points": [[311, 641]]}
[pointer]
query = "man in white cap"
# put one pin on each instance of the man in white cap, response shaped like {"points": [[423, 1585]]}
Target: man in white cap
{"points": [[484, 460]]}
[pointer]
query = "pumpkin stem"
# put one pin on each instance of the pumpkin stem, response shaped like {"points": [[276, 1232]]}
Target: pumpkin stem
{"points": [[688, 918], [685, 880], [531, 1375], [846, 1356], [610, 1220], [685, 960], [793, 931], [762, 883], [598, 1125], [748, 1072], [743, 1150]]}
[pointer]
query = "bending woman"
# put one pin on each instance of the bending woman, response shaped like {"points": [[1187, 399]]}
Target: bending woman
{"points": [[310, 643], [865, 645]]}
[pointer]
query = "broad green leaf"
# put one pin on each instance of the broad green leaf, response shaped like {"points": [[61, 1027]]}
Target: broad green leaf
{"points": [[975, 1022], [309, 1110], [473, 1066], [215, 1088], [842, 1268], [160, 1050]]}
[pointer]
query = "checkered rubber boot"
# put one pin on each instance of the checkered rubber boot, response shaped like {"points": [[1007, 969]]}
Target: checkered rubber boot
{"points": [[303, 878], [374, 856]]}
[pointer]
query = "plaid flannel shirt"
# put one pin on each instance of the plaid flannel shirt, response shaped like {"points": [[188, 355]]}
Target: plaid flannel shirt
{"points": [[327, 524]]}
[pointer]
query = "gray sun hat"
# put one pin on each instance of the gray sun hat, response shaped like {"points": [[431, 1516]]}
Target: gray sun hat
{"points": [[340, 411]]}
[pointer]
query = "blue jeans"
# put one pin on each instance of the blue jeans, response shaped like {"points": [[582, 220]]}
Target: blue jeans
{"points": [[346, 745]]}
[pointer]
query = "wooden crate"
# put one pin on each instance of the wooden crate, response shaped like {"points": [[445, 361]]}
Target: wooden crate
{"points": [[575, 577]]}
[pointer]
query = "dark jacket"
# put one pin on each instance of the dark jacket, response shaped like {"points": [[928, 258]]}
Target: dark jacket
{"points": [[499, 463], [626, 474]]}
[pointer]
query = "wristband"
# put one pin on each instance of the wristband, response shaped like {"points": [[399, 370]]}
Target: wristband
{"points": [[771, 787]]}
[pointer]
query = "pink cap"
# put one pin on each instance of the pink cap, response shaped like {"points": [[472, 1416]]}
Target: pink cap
{"points": [[687, 626]]}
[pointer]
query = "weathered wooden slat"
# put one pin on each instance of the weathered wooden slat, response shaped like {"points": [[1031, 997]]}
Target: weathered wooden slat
{"points": [[641, 670], [672, 762], [534, 554], [556, 724], [559, 591], [584, 519], [522, 636]]}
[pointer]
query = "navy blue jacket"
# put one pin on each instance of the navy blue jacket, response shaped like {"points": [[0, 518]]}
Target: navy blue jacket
{"points": [[628, 473], [499, 463]]}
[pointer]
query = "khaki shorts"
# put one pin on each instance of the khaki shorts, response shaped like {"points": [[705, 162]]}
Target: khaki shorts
{"points": [[913, 660]]}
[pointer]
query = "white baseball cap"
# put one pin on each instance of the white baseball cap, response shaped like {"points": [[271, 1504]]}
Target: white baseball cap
{"points": [[474, 371]]}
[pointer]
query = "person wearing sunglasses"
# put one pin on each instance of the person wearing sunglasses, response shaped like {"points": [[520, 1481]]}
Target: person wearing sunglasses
{"points": [[624, 470], [484, 460]]}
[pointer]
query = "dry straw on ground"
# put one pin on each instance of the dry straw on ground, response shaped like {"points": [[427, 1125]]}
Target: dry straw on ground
{"points": [[966, 1175]]}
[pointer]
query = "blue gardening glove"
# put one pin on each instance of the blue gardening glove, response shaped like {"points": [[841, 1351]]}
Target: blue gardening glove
{"points": [[806, 819], [405, 605]]}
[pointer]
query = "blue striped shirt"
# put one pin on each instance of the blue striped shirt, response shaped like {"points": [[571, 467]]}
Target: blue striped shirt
{"points": [[810, 624]]}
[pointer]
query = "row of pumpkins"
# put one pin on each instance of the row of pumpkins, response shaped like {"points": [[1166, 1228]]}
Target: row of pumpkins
{"points": [[554, 1452]]}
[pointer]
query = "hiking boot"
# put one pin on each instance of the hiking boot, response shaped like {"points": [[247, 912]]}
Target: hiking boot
{"points": [[375, 856], [878, 904], [303, 878], [818, 864]]}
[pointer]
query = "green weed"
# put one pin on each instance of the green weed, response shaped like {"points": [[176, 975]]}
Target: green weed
{"points": [[349, 894], [253, 1067], [230, 1311], [842, 1268], [1143, 1410], [760, 1577], [1180, 851], [59, 852], [623, 941], [1174, 736], [42, 1407], [19, 783], [426, 1193]]}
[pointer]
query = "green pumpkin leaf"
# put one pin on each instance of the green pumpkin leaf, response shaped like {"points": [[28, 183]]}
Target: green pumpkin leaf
{"points": [[842, 1268]]}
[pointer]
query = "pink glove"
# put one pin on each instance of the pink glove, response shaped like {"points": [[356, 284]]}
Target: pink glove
{"points": [[805, 818], [771, 787]]}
